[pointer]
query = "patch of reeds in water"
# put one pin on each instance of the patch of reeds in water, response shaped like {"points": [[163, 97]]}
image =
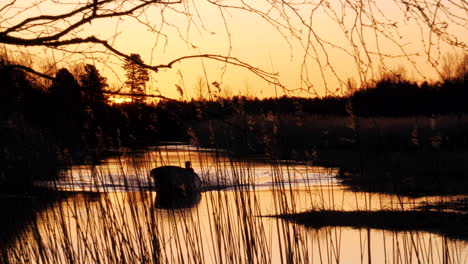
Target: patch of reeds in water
{"points": [[450, 224]]}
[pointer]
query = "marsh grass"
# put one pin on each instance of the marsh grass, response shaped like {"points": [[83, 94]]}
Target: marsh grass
{"points": [[419, 155], [458, 205], [280, 135], [114, 218], [449, 224], [27, 154], [413, 173], [119, 222]]}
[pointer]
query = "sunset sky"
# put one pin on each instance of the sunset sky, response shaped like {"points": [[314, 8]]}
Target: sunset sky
{"points": [[281, 48]]}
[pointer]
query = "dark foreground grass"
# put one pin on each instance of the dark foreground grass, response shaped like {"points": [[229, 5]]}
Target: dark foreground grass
{"points": [[20, 211], [452, 225]]}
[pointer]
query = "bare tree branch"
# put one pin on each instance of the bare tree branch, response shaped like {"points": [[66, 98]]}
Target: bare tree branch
{"points": [[140, 95], [29, 70], [269, 77], [7, 5], [363, 27]]}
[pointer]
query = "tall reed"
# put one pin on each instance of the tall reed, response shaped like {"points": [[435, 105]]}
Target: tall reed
{"points": [[115, 219]]}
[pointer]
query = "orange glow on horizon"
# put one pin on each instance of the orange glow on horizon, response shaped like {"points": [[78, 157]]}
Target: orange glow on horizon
{"points": [[119, 100], [313, 56]]}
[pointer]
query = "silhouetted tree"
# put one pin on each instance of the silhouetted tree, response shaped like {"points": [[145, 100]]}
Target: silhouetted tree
{"points": [[93, 85], [68, 118], [137, 76], [65, 90], [94, 116], [12, 82]]}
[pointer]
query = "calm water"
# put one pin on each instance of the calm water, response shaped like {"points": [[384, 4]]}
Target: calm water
{"points": [[114, 217]]}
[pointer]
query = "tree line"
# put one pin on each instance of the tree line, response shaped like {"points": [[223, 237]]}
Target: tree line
{"points": [[75, 106], [45, 125]]}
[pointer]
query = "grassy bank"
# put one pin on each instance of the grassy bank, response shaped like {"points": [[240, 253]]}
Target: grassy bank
{"points": [[452, 225], [419, 155], [405, 173], [284, 134], [28, 154]]}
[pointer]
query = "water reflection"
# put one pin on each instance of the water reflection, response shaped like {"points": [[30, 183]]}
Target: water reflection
{"points": [[177, 200], [224, 227], [124, 220], [131, 171]]}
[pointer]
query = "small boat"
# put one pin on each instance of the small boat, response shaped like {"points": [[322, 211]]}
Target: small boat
{"points": [[175, 182]]}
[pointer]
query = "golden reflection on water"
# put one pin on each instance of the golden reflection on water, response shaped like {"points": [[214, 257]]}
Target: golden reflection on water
{"points": [[224, 226]]}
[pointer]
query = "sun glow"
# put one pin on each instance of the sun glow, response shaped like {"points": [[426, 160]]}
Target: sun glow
{"points": [[119, 100]]}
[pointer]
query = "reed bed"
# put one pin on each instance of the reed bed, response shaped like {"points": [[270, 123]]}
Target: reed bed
{"points": [[114, 218]]}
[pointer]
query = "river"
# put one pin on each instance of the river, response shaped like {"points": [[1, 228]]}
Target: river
{"points": [[112, 216]]}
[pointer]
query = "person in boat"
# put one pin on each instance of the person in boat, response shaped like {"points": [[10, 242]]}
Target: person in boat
{"points": [[176, 182]]}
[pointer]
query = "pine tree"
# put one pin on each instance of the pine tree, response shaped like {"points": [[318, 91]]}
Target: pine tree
{"points": [[92, 84], [137, 76]]}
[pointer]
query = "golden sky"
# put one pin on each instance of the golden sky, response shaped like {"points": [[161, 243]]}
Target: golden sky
{"points": [[314, 52]]}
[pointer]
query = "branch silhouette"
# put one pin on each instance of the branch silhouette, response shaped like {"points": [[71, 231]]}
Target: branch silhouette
{"points": [[363, 28], [91, 12]]}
